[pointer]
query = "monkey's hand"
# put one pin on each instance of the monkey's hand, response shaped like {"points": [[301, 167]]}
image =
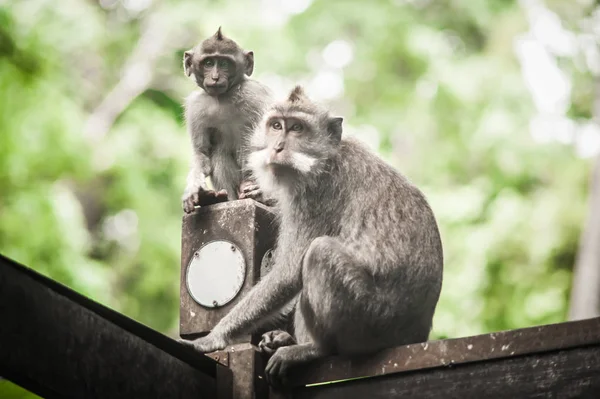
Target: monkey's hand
{"points": [[249, 189], [273, 340], [202, 197], [207, 344]]}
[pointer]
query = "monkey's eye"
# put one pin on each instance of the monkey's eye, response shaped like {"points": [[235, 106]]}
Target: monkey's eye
{"points": [[209, 63], [223, 64], [296, 127], [276, 125]]}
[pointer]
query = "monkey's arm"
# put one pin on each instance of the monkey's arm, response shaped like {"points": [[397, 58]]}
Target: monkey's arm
{"points": [[274, 291], [199, 169], [196, 191]]}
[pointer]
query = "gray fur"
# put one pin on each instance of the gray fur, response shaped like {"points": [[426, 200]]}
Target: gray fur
{"points": [[220, 124], [358, 248]]}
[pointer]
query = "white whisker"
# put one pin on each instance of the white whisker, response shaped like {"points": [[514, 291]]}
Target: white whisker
{"points": [[303, 162]]}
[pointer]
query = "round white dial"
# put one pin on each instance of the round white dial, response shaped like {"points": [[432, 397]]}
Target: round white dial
{"points": [[216, 273]]}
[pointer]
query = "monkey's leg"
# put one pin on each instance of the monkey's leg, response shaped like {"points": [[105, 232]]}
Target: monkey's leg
{"points": [[336, 297], [330, 311]]}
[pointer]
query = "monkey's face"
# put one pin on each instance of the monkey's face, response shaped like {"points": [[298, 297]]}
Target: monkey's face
{"points": [[215, 74], [293, 142], [218, 65], [290, 144], [295, 138]]}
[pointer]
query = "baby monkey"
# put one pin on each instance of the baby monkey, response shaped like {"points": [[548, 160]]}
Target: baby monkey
{"points": [[358, 250], [220, 119]]}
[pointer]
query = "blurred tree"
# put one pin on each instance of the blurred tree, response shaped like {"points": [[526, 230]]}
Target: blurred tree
{"points": [[584, 21], [585, 293], [577, 53]]}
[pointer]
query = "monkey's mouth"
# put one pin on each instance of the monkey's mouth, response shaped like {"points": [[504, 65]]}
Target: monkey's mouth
{"points": [[298, 161], [277, 158], [279, 164], [216, 88]]}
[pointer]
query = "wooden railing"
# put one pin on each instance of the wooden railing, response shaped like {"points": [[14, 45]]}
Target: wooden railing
{"points": [[552, 361]]}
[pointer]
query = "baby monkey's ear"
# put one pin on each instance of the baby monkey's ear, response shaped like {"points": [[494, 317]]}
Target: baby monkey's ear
{"points": [[334, 128], [187, 62], [249, 58]]}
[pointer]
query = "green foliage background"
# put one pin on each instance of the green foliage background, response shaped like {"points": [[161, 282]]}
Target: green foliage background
{"points": [[436, 82]]}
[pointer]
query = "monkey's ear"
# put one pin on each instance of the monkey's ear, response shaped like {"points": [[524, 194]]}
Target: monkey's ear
{"points": [[249, 58], [334, 127], [187, 62], [296, 94]]}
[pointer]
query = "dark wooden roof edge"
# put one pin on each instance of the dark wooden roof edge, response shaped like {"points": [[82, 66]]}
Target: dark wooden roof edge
{"points": [[203, 363], [449, 352]]}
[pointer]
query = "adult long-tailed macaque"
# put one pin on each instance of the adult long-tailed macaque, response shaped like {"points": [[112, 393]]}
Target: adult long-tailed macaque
{"points": [[220, 119], [358, 248]]}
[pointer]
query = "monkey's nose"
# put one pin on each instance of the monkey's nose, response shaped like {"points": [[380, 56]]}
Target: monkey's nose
{"points": [[273, 156]]}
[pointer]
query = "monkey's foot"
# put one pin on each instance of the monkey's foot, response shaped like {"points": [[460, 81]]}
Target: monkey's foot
{"points": [[276, 371], [203, 197], [207, 344], [273, 340]]}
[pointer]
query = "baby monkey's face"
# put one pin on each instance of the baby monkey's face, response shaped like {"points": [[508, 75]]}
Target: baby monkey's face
{"points": [[216, 74], [218, 64]]}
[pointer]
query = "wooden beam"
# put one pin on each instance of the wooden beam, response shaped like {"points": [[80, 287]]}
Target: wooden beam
{"points": [[573, 373], [60, 344], [452, 352]]}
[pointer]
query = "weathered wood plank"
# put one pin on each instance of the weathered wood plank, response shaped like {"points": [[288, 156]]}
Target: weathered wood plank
{"points": [[246, 364], [57, 343], [452, 352], [573, 373]]}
